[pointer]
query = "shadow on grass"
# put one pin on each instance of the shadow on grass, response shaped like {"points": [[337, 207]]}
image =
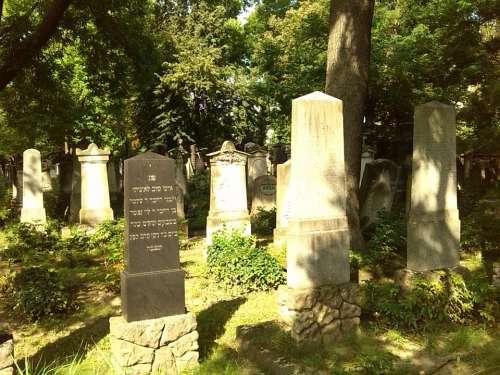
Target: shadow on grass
{"points": [[212, 321], [65, 349]]}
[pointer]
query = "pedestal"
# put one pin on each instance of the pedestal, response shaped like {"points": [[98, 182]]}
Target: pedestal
{"points": [[166, 345], [217, 223]]}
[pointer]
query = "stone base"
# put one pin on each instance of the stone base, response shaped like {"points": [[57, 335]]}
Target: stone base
{"points": [[217, 223], [6, 354], [166, 345], [279, 236], [95, 216], [33, 215], [320, 314], [433, 244]]}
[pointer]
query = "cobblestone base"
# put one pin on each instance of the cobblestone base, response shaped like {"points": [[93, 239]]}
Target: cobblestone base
{"points": [[160, 346], [6, 354], [321, 314]]}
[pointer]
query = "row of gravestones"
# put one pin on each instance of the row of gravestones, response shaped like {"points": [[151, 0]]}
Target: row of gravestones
{"points": [[155, 332]]}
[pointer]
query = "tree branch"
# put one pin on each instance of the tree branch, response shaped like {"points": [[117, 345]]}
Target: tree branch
{"points": [[22, 55]]}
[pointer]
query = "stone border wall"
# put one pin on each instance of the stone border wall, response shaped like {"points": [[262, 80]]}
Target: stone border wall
{"points": [[160, 346], [320, 314], [6, 354]]}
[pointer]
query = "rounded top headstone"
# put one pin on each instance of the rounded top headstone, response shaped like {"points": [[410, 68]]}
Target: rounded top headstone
{"points": [[228, 146]]}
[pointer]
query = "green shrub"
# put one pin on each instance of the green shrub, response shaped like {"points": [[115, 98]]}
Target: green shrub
{"points": [[386, 244], [447, 300], [234, 260], [198, 200], [39, 292], [264, 221]]}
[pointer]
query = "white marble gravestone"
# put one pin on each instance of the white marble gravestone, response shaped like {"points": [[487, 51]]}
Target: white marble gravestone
{"points": [[433, 224], [32, 211], [95, 200], [228, 193], [282, 203]]}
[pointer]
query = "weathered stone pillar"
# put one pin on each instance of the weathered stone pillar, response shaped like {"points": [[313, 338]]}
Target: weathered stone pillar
{"points": [[319, 303], [228, 193], [32, 211], [282, 203], [6, 354], [96, 206], [433, 224]]}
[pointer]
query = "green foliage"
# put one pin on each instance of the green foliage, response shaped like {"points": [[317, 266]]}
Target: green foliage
{"points": [[198, 200], [25, 237], [39, 292], [234, 260], [448, 299], [386, 244], [264, 221]]}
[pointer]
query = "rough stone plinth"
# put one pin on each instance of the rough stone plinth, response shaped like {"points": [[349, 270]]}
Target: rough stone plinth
{"points": [[433, 228], [6, 354], [32, 211], [320, 314], [159, 346], [228, 192], [96, 206]]}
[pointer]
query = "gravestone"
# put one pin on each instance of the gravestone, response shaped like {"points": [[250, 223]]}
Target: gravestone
{"points": [[95, 201], [282, 203], [228, 193], [378, 189], [7, 364], [154, 325], [433, 224], [264, 194], [32, 211], [256, 167], [318, 302]]}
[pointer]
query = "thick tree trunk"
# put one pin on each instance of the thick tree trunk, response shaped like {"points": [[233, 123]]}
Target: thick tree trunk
{"points": [[21, 55], [347, 79]]}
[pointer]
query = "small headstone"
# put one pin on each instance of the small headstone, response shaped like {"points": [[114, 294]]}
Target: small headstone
{"points": [[282, 203], [32, 211], [152, 283], [378, 189], [228, 192], [433, 223], [264, 194], [256, 167], [96, 205]]}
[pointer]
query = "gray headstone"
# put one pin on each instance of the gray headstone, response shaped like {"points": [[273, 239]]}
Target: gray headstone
{"points": [[152, 283], [264, 194]]}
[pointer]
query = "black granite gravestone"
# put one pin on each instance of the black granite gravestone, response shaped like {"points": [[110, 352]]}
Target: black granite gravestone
{"points": [[152, 283]]}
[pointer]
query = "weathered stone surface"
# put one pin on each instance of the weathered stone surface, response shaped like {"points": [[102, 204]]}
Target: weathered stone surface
{"points": [[7, 371], [187, 361], [350, 293], [282, 203], [264, 194], [350, 325], [324, 314], [177, 326], [184, 344], [139, 369], [6, 354], [304, 320], [128, 354], [32, 211], [164, 362], [287, 314], [348, 310], [433, 229], [318, 238], [144, 332], [331, 332], [297, 299]]}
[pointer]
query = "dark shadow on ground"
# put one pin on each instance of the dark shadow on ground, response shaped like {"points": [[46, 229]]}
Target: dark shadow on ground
{"points": [[212, 320], [64, 349]]}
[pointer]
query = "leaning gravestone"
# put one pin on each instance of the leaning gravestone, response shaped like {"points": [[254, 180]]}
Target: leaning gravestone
{"points": [[228, 193], [154, 333], [95, 201], [319, 302], [282, 203], [32, 211], [433, 223], [377, 189], [264, 194]]}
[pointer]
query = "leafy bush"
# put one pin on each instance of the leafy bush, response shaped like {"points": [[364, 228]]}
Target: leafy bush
{"points": [[39, 292], [264, 221], [386, 244], [234, 260], [447, 300], [198, 200]]}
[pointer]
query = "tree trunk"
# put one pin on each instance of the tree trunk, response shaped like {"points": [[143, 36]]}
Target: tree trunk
{"points": [[347, 79], [21, 55]]}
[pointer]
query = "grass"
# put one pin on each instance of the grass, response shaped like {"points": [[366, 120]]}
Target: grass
{"points": [[79, 343]]}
